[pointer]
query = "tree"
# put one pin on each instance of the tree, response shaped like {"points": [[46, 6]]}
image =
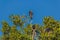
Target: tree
{"points": [[50, 30], [12, 33], [5, 30]]}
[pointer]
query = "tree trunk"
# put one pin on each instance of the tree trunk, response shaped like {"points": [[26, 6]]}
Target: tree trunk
{"points": [[34, 34]]}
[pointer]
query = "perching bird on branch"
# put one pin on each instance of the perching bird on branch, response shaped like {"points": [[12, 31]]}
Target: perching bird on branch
{"points": [[30, 14]]}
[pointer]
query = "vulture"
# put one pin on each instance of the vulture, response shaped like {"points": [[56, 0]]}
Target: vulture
{"points": [[30, 14]]}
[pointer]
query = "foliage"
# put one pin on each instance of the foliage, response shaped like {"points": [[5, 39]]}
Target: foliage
{"points": [[50, 30]]}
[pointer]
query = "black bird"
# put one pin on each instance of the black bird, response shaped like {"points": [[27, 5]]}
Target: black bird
{"points": [[49, 29], [33, 26], [30, 14]]}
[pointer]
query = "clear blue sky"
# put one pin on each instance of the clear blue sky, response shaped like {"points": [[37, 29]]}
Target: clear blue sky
{"points": [[40, 9]]}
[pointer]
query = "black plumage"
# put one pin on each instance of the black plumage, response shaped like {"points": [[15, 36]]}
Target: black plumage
{"points": [[33, 26], [49, 29], [30, 14]]}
